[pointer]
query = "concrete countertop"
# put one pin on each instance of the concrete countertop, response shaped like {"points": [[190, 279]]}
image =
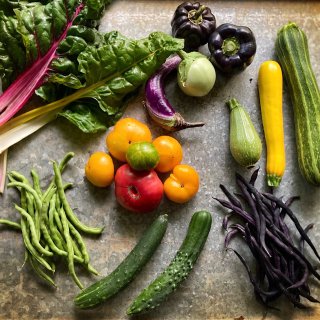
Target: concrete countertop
{"points": [[218, 287]]}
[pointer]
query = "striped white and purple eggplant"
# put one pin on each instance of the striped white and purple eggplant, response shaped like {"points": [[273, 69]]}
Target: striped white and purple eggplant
{"points": [[157, 104]]}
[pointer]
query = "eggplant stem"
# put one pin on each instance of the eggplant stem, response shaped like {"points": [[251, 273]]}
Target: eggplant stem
{"points": [[180, 123]]}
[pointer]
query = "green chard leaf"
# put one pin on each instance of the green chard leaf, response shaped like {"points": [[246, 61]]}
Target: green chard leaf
{"points": [[116, 69], [31, 34]]}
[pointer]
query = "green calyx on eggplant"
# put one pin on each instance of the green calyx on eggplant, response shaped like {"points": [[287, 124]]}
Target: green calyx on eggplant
{"points": [[232, 47], [245, 143], [194, 23]]}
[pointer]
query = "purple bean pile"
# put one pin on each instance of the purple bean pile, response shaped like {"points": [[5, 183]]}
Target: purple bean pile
{"points": [[282, 268]]}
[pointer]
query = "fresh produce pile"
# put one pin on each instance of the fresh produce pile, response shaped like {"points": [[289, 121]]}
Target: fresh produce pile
{"points": [[138, 187], [88, 77]]}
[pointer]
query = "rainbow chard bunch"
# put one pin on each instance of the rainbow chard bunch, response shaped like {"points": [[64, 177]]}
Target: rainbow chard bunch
{"points": [[52, 50], [34, 39]]}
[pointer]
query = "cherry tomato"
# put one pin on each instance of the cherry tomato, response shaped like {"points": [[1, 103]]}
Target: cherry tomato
{"points": [[170, 153], [99, 169], [182, 184], [125, 132]]}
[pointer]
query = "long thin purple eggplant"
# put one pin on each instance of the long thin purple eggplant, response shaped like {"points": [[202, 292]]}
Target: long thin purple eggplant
{"points": [[157, 104]]}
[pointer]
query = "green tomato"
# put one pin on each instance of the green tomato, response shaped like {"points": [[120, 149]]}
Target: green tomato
{"points": [[142, 156]]}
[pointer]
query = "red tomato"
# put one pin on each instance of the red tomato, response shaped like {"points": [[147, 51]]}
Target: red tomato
{"points": [[138, 191]]}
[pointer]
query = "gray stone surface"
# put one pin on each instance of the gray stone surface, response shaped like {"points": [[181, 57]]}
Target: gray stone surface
{"points": [[218, 287]]}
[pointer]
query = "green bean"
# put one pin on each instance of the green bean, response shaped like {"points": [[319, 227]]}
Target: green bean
{"points": [[50, 242], [38, 202], [82, 246], [22, 191], [55, 234], [71, 216], [45, 205], [30, 247], [65, 160], [26, 198], [40, 272], [45, 220], [34, 238], [69, 248], [76, 250], [62, 166], [30, 205], [57, 220], [11, 224], [36, 182], [19, 177]]}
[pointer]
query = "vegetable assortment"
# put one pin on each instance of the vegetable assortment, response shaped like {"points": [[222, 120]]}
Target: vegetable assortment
{"points": [[97, 99], [62, 70], [138, 187]]}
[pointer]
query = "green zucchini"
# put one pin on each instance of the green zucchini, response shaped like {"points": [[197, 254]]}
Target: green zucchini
{"points": [[178, 269], [245, 143], [127, 270], [293, 53]]}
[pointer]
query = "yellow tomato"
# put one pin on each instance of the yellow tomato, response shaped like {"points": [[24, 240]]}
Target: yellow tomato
{"points": [[125, 132], [99, 169], [182, 184], [170, 153]]}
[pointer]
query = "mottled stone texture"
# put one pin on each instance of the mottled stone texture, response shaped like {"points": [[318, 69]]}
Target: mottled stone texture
{"points": [[218, 287]]}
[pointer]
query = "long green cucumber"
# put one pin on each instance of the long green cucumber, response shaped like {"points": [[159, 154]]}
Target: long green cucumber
{"points": [[293, 53], [178, 269], [127, 270]]}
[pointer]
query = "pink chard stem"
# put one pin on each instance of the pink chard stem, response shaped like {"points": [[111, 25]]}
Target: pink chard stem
{"points": [[21, 90]]}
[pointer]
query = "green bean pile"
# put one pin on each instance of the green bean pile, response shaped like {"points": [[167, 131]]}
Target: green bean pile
{"points": [[49, 227]]}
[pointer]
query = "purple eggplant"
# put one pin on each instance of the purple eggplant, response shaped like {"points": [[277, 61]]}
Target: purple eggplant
{"points": [[158, 106]]}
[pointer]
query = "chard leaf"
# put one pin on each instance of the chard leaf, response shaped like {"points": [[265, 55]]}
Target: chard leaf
{"points": [[120, 65], [29, 42], [110, 74], [86, 117], [12, 52]]}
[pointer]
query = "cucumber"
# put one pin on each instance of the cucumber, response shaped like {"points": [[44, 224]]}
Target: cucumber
{"points": [[293, 53], [127, 270], [178, 269]]}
